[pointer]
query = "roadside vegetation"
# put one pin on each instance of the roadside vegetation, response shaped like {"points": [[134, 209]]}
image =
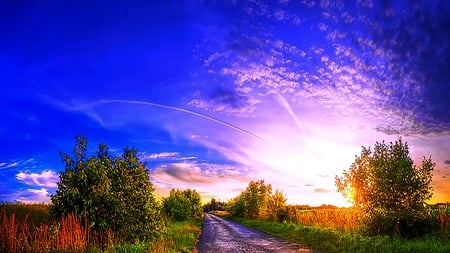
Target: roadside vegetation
{"points": [[106, 203], [389, 212], [103, 203]]}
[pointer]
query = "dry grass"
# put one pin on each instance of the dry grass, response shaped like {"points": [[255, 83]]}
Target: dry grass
{"points": [[341, 219], [66, 235]]}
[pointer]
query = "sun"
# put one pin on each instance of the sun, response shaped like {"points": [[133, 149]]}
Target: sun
{"points": [[350, 194]]}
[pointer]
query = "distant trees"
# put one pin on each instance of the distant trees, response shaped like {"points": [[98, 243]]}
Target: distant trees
{"points": [[110, 193], [390, 189], [213, 205], [257, 201], [181, 205]]}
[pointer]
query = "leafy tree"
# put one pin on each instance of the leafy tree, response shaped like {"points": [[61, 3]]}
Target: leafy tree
{"points": [[110, 193], [256, 198], [390, 189], [277, 206], [181, 205], [257, 201]]}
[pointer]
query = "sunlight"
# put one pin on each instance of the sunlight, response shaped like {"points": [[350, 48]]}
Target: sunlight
{"points": [[350, 194]]}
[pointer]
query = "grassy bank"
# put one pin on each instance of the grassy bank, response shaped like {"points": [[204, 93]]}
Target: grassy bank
{"points": [[179, 237], [329, 241]]}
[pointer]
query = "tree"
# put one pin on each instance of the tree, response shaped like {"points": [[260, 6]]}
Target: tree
{"points": [[110, 193], [389, 188], [256, 197], [257, 201], [277, 206], [181, 205], [213, 205]]}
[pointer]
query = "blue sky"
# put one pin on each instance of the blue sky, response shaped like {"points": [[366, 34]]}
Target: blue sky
{"points": [[217, 93]]}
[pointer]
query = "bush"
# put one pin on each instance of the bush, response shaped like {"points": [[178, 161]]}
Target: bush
{"points": [[406, 223], [110, 193]]}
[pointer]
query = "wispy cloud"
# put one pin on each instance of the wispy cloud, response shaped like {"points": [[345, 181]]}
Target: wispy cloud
{"points": [[18, 164], [46, 178], [158, 156]]}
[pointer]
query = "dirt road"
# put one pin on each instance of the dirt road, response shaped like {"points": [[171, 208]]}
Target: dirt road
{"points": [[219, 235]]}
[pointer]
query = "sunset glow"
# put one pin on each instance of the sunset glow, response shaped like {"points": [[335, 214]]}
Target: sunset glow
{"points": [[214, 95]]}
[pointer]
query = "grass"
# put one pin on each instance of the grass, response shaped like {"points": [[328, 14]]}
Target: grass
{"points": [[179, 237], [330, 240], [341, 219], [29, 228]]}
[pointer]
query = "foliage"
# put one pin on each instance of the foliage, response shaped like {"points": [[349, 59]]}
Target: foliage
{"points": [[328, 240], [390, 189], [109, 193], [213, 205], [257, 201], [277, 206], [181, 205]]}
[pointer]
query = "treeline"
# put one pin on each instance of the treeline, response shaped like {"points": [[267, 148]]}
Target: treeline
{"points": [[388, 192]]}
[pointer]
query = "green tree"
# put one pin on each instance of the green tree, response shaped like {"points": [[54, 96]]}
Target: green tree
{"points": [[277, 206], [390, 189], [110, 193], [181, 205], [253, 202]]}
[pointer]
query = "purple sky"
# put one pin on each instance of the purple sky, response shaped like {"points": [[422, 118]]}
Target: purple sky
{"points": [[217, 93]]}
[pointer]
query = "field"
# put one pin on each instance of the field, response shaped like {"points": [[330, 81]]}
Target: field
{"points": [[29, 228], [337, 230]]}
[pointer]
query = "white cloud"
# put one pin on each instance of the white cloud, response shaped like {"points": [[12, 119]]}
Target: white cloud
{"points": [[46, 178], [158, 156], [31, 196]]}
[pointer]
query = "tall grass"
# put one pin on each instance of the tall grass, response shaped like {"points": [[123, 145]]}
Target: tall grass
{"points": [[349, 219], [29, 228], [341, 219], [66, 235]]}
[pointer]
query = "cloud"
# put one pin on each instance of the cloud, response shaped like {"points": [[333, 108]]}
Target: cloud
{"points": [[227, 101], [393, 72], [321, 190], [158, 156], [5, 165], [18, 163], [417, 54], [193, 172], [447, 162], [219, 180], [46, 178], [33, 196]]}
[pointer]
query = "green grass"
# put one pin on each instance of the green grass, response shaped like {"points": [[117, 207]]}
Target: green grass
{"points": [[331, 241], [179, 237]]}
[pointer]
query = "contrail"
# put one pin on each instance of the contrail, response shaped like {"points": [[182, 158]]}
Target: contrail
{"points": [[288, 108], [177, 109]]}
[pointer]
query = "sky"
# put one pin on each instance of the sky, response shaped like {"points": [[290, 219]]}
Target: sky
{"points": [[214, 94]]}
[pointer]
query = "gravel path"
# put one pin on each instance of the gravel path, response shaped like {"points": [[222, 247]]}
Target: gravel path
{"points": [[219, 235]]}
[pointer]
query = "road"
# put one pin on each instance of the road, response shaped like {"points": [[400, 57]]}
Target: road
{"points": [[219, 235]]}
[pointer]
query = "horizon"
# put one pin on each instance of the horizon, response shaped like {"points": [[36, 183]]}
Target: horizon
{"points": [[215, 95]]}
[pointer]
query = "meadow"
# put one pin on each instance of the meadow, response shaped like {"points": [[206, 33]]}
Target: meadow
{"points": [[338, 230], [30, 228]]}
